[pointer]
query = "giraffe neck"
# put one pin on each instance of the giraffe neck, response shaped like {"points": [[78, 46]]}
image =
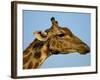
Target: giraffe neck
{"points": [[35, 54]]}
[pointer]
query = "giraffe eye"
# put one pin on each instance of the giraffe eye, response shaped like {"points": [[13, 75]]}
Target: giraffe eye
{"points": [[61, 35]]}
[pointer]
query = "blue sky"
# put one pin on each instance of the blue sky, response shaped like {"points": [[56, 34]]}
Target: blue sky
{"points": [[78, 23]]}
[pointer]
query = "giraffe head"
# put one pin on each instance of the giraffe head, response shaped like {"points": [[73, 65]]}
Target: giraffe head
{"points": [[61, 40]]}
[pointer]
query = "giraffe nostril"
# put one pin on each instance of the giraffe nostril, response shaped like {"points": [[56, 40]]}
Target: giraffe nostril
{"points": [[83, 49], [87, 51]]}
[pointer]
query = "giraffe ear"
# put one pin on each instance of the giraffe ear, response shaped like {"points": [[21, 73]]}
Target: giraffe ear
{"points": [[40, 36], [45, 33]]}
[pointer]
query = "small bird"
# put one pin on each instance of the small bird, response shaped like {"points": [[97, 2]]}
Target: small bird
{"points": [[40, 36]]}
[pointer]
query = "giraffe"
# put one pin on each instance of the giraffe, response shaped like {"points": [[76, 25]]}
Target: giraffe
{"points": [[55, 40]]}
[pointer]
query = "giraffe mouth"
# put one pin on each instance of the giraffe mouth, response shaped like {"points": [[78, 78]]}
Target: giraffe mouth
{"points": [[84, 52], [70, 51]]}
